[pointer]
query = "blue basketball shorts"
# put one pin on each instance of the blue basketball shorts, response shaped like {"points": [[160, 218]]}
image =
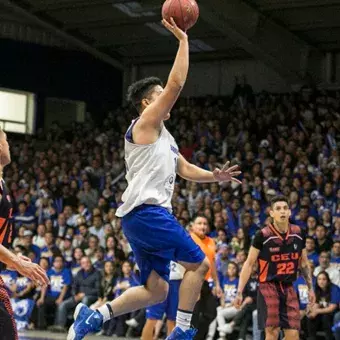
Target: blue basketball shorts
{"points": [[169, 306], [157, 238]]}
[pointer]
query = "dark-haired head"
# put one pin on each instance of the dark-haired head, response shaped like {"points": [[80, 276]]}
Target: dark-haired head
{"points": [[279, 198], [323, 287], [143, 92], [279, 209]]}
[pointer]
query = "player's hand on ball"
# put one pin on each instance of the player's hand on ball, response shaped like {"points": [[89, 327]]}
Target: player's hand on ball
{"points": [[227, 174], [174, 29]]}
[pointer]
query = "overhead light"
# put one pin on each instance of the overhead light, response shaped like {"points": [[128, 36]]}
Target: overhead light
{"points": [[198, 45]]}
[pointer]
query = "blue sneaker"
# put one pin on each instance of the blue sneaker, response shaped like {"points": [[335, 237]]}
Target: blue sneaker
{"points": [[178, 334], [86, 321]]}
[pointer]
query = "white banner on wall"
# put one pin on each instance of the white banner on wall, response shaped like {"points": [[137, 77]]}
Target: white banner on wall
{"points": [[17, 111]]}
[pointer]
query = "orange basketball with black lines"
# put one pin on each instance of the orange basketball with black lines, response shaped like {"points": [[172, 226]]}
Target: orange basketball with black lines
{"points": [[184, 12]]}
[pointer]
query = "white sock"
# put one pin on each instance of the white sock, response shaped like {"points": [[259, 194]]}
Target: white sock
{"points": [[106, 311], [183, 319]]}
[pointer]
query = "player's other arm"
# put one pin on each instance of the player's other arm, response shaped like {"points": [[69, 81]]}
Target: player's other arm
{"points": [[23, 266], [306, 272], [193, 173], [158, 110], [245, 274]]}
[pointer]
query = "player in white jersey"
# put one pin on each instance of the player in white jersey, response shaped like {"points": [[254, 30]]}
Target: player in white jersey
{"points": [[156, 237]]}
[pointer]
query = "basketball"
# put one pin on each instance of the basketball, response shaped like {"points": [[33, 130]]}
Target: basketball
{"points": [[184, 12]]}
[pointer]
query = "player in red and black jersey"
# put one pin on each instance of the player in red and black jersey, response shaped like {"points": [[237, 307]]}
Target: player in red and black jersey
{"points": [[19, 263], [280, 251]]}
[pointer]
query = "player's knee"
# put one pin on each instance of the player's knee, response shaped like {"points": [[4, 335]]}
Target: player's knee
{"points": [[159, 289], [161, 292]]}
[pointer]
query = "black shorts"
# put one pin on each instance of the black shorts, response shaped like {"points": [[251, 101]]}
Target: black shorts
{"points": [[278, 306], [8, 329]]}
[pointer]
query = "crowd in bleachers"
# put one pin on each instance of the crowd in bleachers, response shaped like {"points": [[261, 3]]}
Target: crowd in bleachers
{"points": [[62, 182]]}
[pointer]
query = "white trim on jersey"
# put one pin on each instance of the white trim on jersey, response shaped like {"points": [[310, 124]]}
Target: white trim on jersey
{"points": [[292, 235], [270, 238]]}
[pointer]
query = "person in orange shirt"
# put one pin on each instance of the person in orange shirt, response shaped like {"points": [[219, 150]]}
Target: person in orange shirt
{"points": [[205, 309]]}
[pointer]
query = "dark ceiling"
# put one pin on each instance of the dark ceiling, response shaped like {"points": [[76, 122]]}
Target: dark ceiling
{"points": [[129, 31]]}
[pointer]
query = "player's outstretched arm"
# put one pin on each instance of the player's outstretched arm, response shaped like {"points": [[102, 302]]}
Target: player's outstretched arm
{"points": [[193, 173], [24, 266], [158, 110], [245, 274], [306, 272]]}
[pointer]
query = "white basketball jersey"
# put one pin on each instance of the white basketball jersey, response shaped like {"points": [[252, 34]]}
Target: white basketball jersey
{"points": [[151, 172], [176, 271]]}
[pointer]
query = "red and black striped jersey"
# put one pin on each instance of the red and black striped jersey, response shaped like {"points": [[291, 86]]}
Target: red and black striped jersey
{"points": [[280, 254], [6, 224]]}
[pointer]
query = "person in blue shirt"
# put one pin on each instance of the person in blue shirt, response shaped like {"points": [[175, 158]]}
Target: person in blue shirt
{"points": [[51, 250], [53, 295], [227, 311], [29, 246], [258, 214], [243, 318], [9, 277], [320, 316], [311, 252], [24, 217], [125, 281], [335, 254]]}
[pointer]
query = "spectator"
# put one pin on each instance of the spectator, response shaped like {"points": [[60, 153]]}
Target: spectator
{"points": [[24, 217], [82, 239], [125, 281], [29, 246], [98, 230], [52, 296], [92, 248], [333, 273], [50, 250], [241, 257], [321, 315], [85, 289], [88, 196], [335, 254], [60, 228], [67, 250], [227, 311], [323, 243], [19, 240], [311, 226], [39, 239], [78, 254], [107, 285], [311, 253], [243, 318], [222, 260]]}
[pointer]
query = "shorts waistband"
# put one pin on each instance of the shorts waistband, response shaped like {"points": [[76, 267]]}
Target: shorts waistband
{"points": [[144, 206]]}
